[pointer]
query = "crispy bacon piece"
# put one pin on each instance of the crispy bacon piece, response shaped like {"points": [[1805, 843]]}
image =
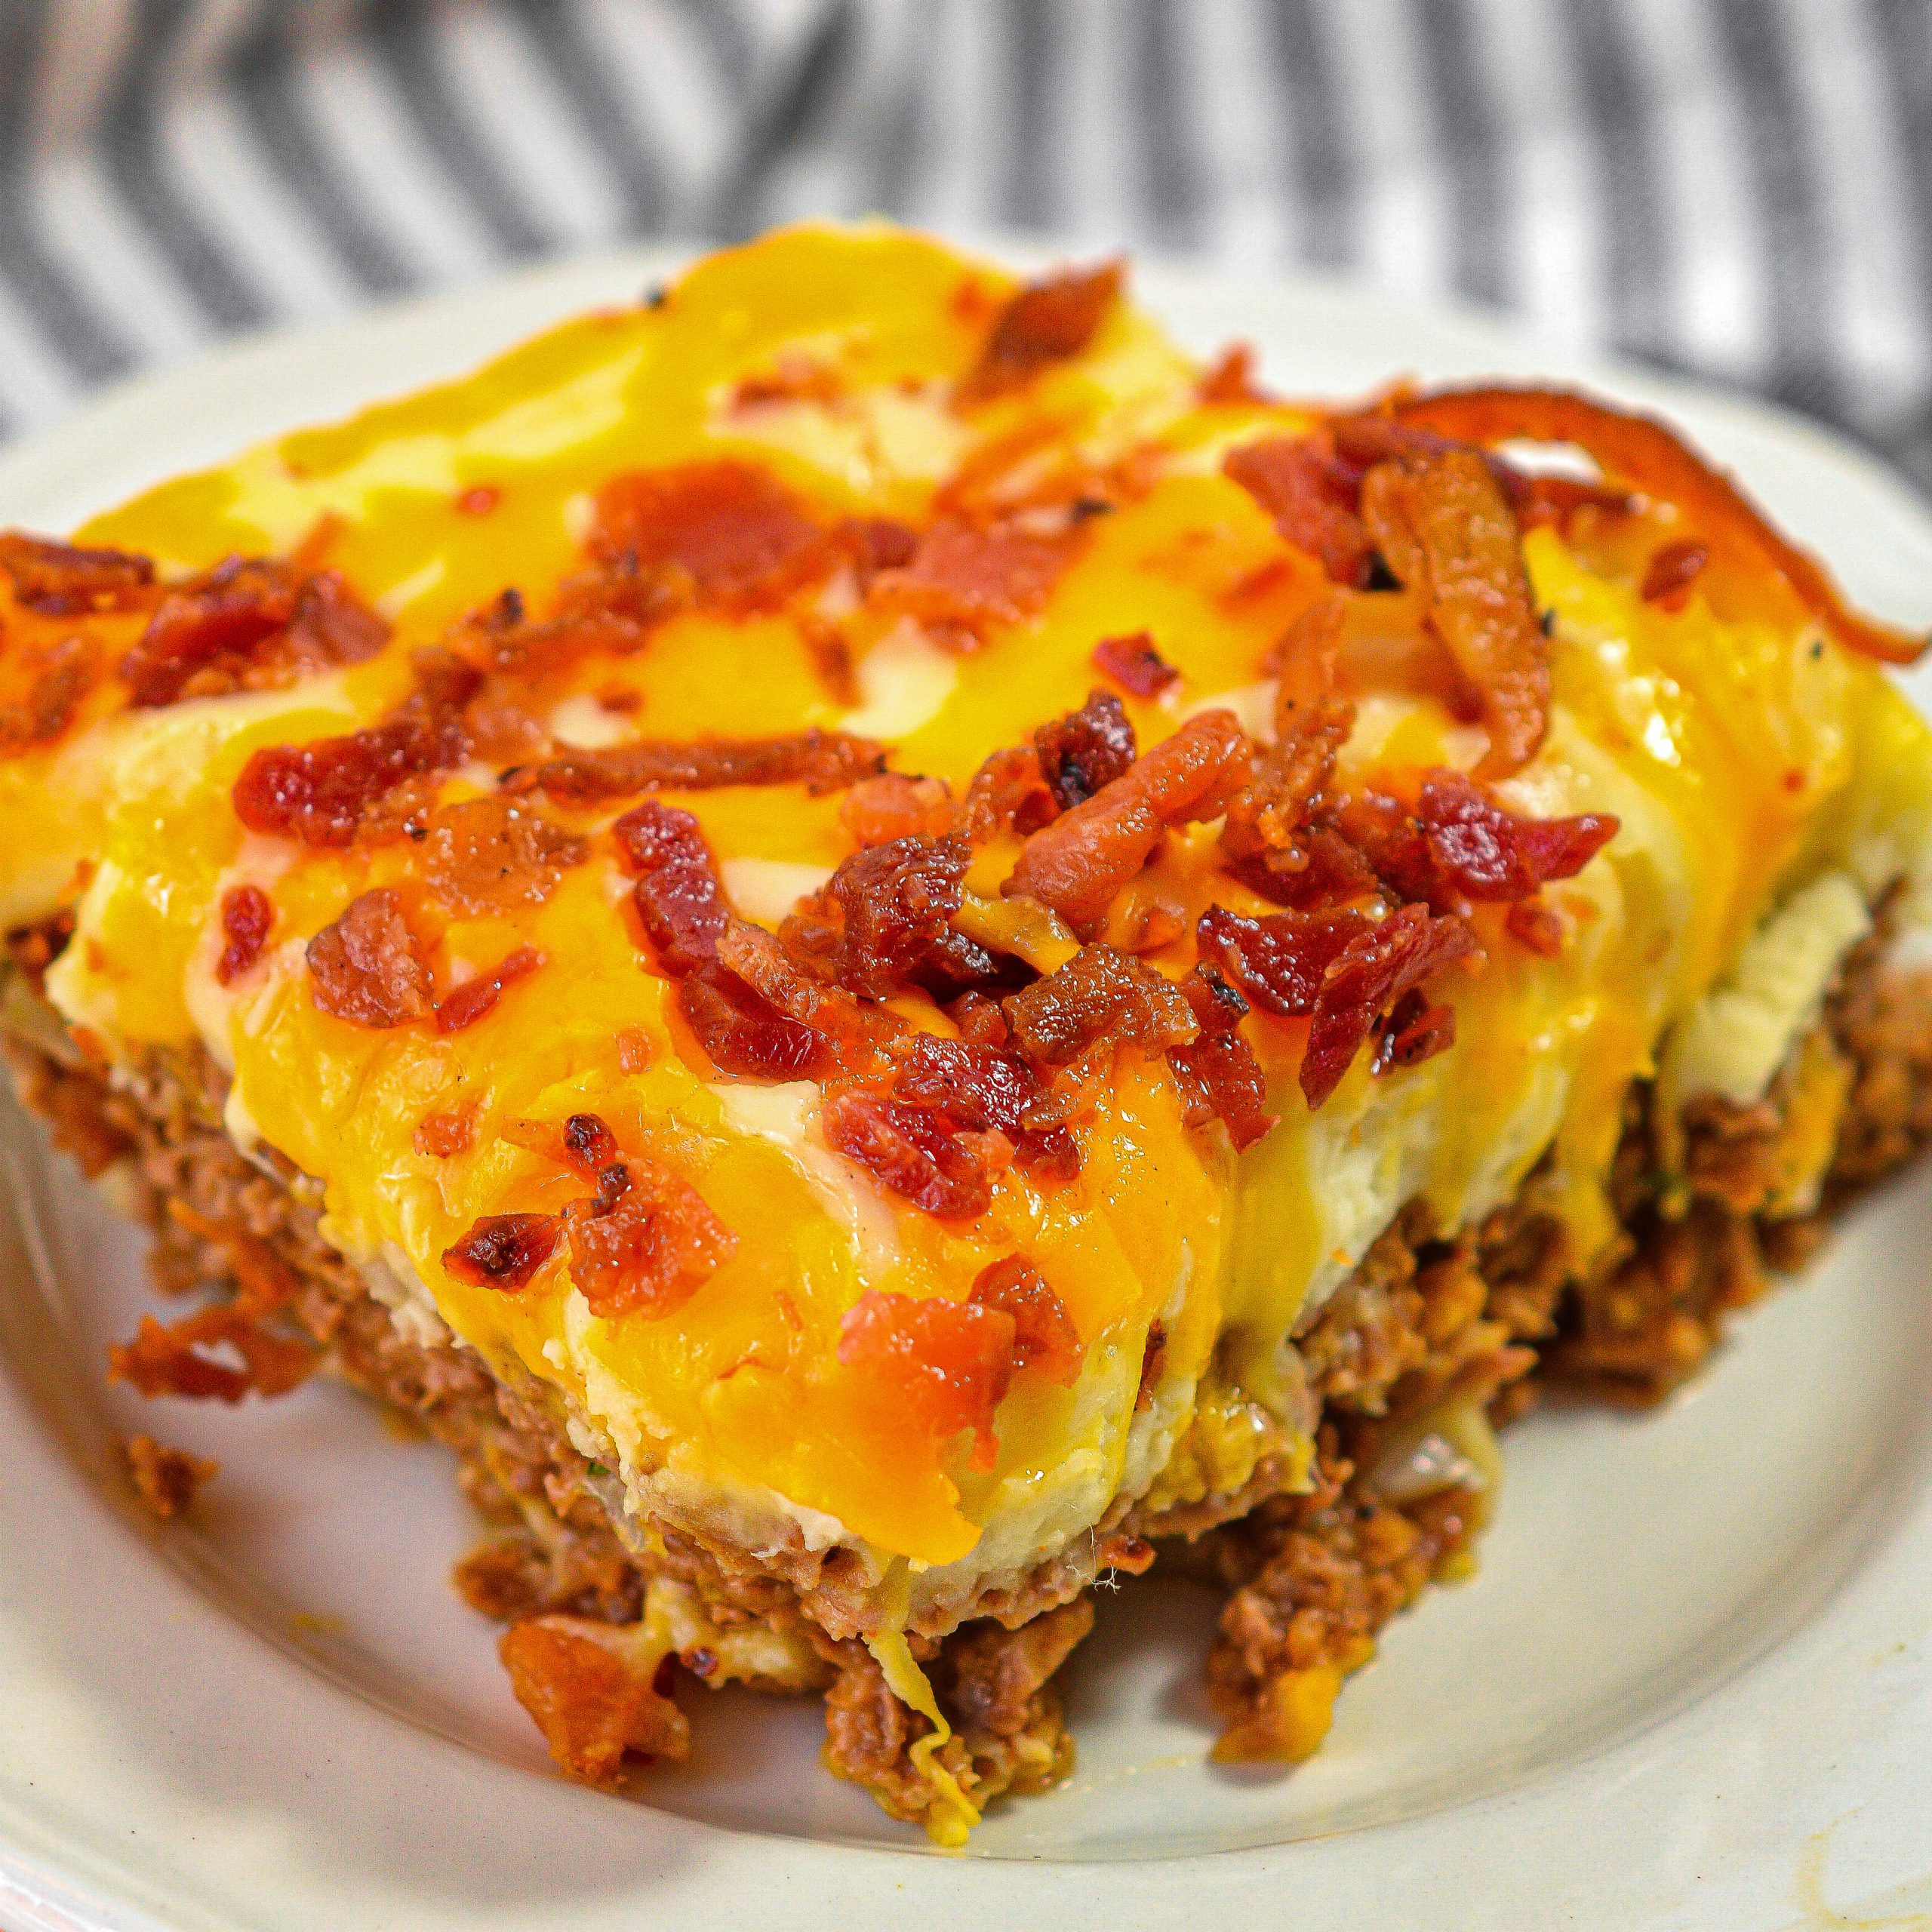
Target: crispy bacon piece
{"points": [[60, 580], [679, 901], [53, 678], [877, 811], [949, 1364], [962, 579], [1312, 499], [822, 762], [983, 1088], [1078, 863], [1008, 793], [1414, 1032], [593, 1695], [917, 1153], [176, 1360], [1230, 378], [505, 1251], [1366, 978], [1444, 526], [248, 621], [247, 916], [1044, 1336], [1278, 961], [875, 543], [1265, 834], [1673, 567], [1220, 1079], [647, 1244], [463, 1006], [166, 1479], [1134, 664], [1087, 750], [744, 538], [883, 912], [743, 1033], [487, 857], [1484, 852], [1640, 450], [367, 966], [761, 961], [1100, 998], [1048, 321], [327, 792]]}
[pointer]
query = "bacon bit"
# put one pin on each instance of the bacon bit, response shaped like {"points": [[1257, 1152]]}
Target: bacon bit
{"points": [[1008, 793], [173, 1360], [592, 1696], [1266, 836], [647, 1244], [442, 1136], [633, 1049], [56, 676], [745, 538], [487, 857], [831, 657], [1100, 998], [1134, 664], [1673, 568], [165, 1479], [1370, 974], [822, 762], [1044, 1336], [948, 1364], [60, 580], [247, 916], [1048, 320], [1230, 377], [466, 1004], [1153, 1359], [1077, 864], [1532, 924], [1641, 450], [367, 966], [968, 578], [248, 621], [1312, 498], [1219, 1076], [1087, 750], [327, 792], [1414, 1032], [1132, 1556], [1444, 527], [679, 900], [917, 1153], [882, 912], [479, 500], [504, 1251], [1278, 961], [1460, 845], [742, 1032], [589, 1145], [985, 1089], [760, 959], [877, 811]]}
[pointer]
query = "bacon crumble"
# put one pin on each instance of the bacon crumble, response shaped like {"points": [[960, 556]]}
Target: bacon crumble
{"points": [[1048, 321], [948, 1364], [1134, 664], [1044, 1336], [463, 1006], [1219, 1077], [248, 917], [489, 858], [367, 966], [505, 1251], [822, 762], [1087, 750]]}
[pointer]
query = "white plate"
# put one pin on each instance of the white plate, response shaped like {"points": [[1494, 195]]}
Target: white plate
{"points": [[1691, 1687]]}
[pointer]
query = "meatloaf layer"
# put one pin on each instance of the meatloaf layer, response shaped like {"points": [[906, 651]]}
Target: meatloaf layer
{"points": [[1434, 1339]]}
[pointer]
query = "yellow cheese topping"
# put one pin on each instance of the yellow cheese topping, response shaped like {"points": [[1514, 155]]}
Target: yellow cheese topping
{"points": [[1743, 754]]}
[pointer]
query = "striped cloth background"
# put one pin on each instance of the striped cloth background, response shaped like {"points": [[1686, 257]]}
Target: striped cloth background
{"points": [[1741, 188]]}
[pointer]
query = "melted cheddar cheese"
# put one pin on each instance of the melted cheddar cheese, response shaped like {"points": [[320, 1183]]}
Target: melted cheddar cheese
{"points": [[1744, 755]]}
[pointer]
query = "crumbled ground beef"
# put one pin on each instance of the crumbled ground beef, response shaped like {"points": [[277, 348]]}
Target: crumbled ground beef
{"points": [[1485, 1318]]}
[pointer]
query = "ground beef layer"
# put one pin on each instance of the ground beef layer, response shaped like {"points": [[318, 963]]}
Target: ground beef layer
{"points": [[600, 1629]]}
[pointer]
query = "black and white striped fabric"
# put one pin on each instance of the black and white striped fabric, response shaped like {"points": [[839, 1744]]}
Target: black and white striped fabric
{"points": [[1741, 188]]}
